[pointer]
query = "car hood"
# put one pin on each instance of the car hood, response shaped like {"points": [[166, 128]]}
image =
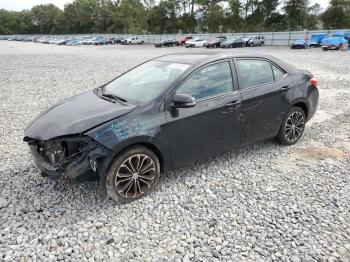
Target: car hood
{"points": [[74, 116]]}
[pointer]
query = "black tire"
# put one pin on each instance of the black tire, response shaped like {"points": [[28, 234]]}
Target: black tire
{"points": [[290, 126], [142, 42], [129, 176]]}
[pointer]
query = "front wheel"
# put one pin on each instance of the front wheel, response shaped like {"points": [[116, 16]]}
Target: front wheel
{"points": [[292, 127], [133, 174]]}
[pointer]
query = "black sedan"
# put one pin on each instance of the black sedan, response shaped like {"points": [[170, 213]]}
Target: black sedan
{"points": [[216, 42], [233, 42], [166, 42], [169, 112]]}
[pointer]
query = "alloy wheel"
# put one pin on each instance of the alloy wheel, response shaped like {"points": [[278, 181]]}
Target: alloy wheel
{"points": [[294, 126], [135, 176]]}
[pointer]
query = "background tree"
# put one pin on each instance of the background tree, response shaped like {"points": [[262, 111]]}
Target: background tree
{"points": [[45, 19], [337, 15], [296, 13], [174, 16]]}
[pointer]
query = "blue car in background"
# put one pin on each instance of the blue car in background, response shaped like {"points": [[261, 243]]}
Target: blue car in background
{"points": [[299, 43], [334, 43], [343, 34], [100, 41], [316, 39], [73, 42]]}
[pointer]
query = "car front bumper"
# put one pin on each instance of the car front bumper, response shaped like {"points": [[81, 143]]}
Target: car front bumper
{"points": [[84, 164]]}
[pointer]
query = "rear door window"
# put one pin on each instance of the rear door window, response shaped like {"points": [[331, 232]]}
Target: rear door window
{"points": [[254, 72], [278, 73]]}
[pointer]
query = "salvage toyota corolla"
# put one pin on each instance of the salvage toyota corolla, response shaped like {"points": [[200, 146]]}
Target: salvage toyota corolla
{"points": [[168, 112]]}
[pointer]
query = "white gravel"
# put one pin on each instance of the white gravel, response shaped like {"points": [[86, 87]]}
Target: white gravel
{"points": [[264, 202]]}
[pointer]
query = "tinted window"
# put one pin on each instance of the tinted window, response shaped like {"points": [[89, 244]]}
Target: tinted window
{"points": [[254, 72], [278, 73], [210, 81]]}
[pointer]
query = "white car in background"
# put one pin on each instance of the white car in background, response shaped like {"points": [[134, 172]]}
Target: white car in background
{"points": [[197, 42], [134, 41]]}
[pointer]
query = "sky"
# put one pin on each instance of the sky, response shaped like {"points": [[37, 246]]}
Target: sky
{"points": [[18, 5]]}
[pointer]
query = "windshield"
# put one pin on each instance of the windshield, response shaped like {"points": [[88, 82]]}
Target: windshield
{"points": [[147, 81]]}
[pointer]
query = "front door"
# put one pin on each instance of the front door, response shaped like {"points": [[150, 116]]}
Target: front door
{"points": [[213, 125]]}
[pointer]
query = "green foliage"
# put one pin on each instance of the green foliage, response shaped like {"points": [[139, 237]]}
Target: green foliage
{"points": [[296, 14], [174, 16], [337, 15]]}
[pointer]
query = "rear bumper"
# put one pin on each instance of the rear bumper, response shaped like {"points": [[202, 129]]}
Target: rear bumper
{"points": [[330, 47], [312, 102]]}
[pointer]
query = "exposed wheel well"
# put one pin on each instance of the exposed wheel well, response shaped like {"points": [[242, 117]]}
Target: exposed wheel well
{"points": [[151, 147], [302, 106]]}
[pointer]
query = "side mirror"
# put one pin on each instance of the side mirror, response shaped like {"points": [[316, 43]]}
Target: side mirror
{"points": [[184, 101]]}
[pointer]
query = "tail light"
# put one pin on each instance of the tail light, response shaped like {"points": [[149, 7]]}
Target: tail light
{"points": [[314, 82]]}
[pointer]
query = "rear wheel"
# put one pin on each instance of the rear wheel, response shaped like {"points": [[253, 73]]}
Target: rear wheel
{"points": [[133, 174], [292, 127]]}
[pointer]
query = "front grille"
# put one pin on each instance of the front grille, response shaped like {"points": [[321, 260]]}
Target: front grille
{"points": [[56, 152]]}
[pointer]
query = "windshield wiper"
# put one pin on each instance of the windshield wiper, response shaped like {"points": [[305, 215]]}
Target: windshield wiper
{"points": [[101, 92], [108, 95]]}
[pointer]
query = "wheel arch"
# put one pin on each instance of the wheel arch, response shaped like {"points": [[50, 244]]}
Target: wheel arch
{"points": [[105, 164], [303, 106], [150, 144]]}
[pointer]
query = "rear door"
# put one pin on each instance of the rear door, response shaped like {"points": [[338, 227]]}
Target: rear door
{"points": [[213, 125], [266, 95]]}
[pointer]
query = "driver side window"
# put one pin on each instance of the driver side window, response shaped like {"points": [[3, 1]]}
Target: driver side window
{"points": [[210, 81]]}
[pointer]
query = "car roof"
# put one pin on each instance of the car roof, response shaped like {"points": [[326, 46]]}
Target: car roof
{"points": [[207, 57]]}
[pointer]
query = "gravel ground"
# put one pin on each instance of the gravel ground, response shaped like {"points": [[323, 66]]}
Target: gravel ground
{"points": [[264, 202]]}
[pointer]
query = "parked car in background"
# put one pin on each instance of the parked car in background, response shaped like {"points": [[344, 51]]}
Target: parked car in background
{"points": [[342, 34], [87, 41], [167, 113], [114, 40], [334, 43], [100, 41], [316, 39], [165, 42], [74, 42], [133, 41], [183, 40], [28, 39], [299, 43], [233, 42], [196, 42], [215, 42], [255, 40]]}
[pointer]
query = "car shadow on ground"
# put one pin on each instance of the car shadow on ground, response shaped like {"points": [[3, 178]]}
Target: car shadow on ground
{"points": [[64, 193]]}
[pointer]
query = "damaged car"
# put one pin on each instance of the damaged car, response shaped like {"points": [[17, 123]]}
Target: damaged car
{"points": [[167, 113]]}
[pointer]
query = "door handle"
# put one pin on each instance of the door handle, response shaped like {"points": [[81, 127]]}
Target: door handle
{"points": [[233, 104], [284, 88]]}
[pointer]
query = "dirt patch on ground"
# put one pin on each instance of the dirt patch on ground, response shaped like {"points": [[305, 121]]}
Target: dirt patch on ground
{"points": [[321, 153]]}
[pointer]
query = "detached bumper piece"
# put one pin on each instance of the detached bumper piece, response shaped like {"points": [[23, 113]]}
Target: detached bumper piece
{"points": [[69, 158]]}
